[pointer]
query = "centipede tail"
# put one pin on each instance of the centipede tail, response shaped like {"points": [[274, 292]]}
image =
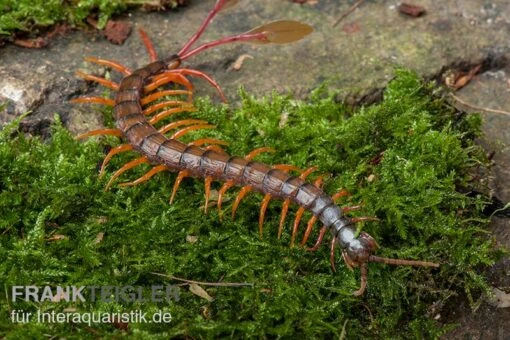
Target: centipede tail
{"points": [[137, 109]]}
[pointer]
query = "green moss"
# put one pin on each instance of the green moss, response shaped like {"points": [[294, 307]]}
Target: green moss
{"points": [[404, 158], [28, 15]]}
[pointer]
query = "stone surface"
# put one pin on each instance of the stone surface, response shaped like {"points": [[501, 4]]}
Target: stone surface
{"points": [[357, 57]]}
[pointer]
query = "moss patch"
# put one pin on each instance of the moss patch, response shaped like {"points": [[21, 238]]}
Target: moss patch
{"points": [[404, 158], [29, 15]]}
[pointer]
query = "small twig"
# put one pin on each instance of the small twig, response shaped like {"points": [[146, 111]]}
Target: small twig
{"points": [[479, 108], [215, 284], [349, 11]]}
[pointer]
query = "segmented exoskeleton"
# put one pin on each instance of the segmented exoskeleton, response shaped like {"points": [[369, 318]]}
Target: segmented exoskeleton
{"points": [[131, 107]]}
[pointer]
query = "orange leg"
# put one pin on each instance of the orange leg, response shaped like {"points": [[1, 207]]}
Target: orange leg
{"points": [[212, 147], [148, 45], [180, 176], [162, 115], [126, 167], [257, 152], [309, 228], [195, 73], [319, 239], [341, 193], [165, 78], [169, 103], [286, 167], [156, 95], [300, 211], [202, 141], [94, 100], [286, 203], [285, 209], [208, 181], [113, 152], [106, 83], [228, 184], [109, 63], [299, 215], [313, 219], [184, 131], [262, 214], [100, 132], [178, 123], [146, 177], [244, 190], [307, 172], [332, 254]]}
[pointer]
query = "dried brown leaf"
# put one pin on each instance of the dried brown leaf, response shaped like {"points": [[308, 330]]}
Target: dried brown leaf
{"points": [[199, 291], [31, 43], [411, 10], [117, 31], [99, 238], [351, 27]]}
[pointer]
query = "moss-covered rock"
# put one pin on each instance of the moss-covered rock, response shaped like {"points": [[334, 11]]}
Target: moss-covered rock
{"points": [[404, 158]]}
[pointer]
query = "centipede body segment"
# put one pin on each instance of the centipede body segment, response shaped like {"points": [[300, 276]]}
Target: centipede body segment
{"points": [[137, 108]]}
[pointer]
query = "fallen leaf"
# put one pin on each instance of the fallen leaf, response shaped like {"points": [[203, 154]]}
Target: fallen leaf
{"points": [[99, 238], [30, 43], [351, 28], [117, 31], [199, 291], [411, 10]]}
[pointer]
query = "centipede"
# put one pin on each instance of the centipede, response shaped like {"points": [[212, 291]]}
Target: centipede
{"points": [[140, 105]]}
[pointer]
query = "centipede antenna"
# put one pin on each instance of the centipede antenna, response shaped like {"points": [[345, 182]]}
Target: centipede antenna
{"points": [[400, 262]]}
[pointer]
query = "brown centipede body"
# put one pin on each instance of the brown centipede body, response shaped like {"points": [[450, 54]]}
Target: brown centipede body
{"points": [[203, 158]]}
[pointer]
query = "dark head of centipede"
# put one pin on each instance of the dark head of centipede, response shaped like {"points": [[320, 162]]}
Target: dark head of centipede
{"points": [[141, 103]]}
